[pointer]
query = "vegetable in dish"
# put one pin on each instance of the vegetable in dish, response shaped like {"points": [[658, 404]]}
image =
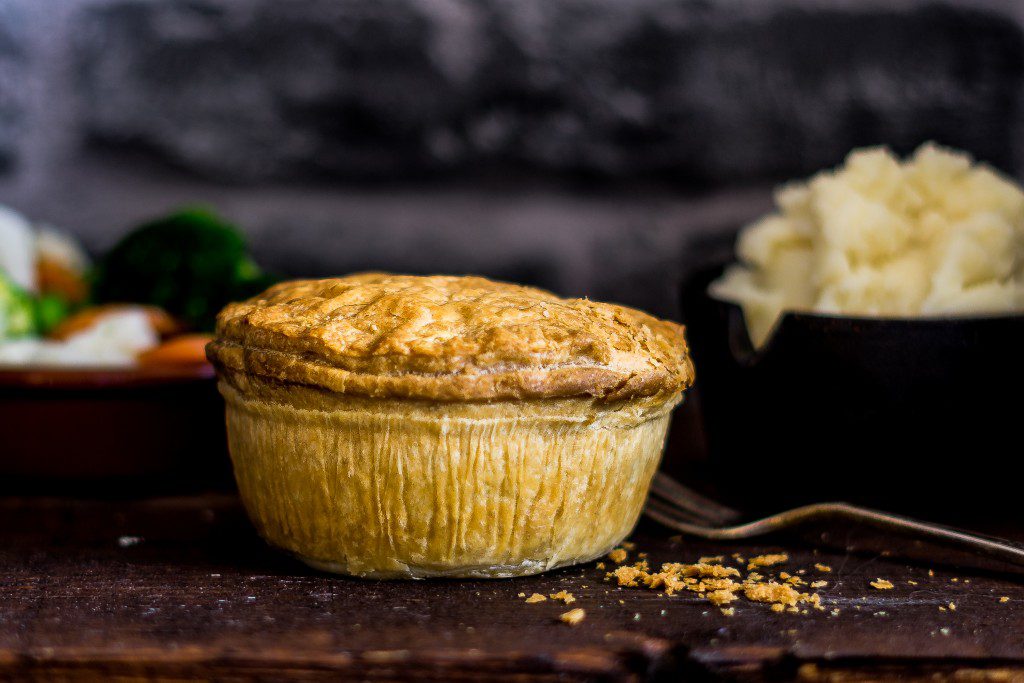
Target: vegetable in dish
{"points": [[17, 310], [17, 249], [42, 276], [166, 278], [190, 263]]}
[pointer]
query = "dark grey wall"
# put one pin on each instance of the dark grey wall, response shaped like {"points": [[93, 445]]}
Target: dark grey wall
{"points": [[574, 143]]}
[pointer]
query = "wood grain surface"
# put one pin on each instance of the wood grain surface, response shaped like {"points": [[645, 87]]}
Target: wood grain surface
{"points": [[183, 588]]}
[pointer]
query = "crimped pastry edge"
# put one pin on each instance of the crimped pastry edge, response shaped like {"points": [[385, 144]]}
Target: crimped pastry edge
{"points": [[604, 383]]}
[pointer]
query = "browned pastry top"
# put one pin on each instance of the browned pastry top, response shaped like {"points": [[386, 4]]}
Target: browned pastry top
{"points": [[449, 338]]}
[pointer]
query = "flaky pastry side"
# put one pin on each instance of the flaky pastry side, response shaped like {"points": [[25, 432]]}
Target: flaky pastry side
{"points": [[389, 489]]}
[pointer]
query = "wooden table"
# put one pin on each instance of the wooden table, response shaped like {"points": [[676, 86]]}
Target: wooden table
{"points": [[180, 588]]}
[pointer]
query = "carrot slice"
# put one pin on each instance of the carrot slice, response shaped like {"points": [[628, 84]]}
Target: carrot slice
{"points": [[57, 278], [184, 350]]}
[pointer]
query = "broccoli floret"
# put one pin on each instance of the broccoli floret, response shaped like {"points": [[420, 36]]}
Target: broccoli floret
{"points": [[17, 310], [190, 263], [50, 311]]}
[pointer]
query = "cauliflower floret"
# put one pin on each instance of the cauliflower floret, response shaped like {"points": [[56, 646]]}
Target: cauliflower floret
{"points": [[115, 340], [60, 247], [19, 351], [17, 249]]}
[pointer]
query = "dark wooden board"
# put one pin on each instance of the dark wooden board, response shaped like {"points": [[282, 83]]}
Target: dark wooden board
{"points": [[199, 595]]}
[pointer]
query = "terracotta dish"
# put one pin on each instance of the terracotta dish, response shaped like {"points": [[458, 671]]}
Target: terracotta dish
{"points": [[124, 432]]}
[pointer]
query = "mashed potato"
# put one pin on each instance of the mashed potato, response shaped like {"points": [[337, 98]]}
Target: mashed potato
{"points": [[933, 235]]}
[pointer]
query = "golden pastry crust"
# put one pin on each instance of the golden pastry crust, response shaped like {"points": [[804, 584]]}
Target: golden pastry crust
{"points": [[398, 488], [451, 339]]}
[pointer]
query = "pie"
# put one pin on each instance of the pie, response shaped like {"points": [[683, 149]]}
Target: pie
{"points": [[405, 426]]}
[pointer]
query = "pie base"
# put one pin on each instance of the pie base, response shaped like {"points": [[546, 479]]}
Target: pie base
{"points": [[396, 488]]}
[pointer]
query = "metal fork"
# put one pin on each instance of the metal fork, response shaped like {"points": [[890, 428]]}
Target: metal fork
{"points": [[683, 509]]}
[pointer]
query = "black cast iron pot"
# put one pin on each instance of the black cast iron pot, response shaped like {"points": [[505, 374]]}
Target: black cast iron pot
{"points": [[923, 416]]}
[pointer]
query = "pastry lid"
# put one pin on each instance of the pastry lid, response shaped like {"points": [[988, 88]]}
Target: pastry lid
{"points": [[449, 338]]}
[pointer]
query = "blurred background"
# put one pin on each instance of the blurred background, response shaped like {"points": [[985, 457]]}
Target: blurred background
{"points": [[581, 145]]}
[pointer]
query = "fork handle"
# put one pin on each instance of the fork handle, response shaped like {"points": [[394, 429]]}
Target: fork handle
{"points": [[1000, 548]]}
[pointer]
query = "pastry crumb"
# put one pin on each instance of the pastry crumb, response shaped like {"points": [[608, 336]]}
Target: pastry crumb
{"points": [[728, 611], [600, 565], [882, 584], [822, 567], [573, 616], [565, 596], [720, 597], [522, 595], [700, 569], [952, 607], [720, 584], [772, 592], [767, 560], [618, 556], [1004, 599], [536, 597], [626, 575]]}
